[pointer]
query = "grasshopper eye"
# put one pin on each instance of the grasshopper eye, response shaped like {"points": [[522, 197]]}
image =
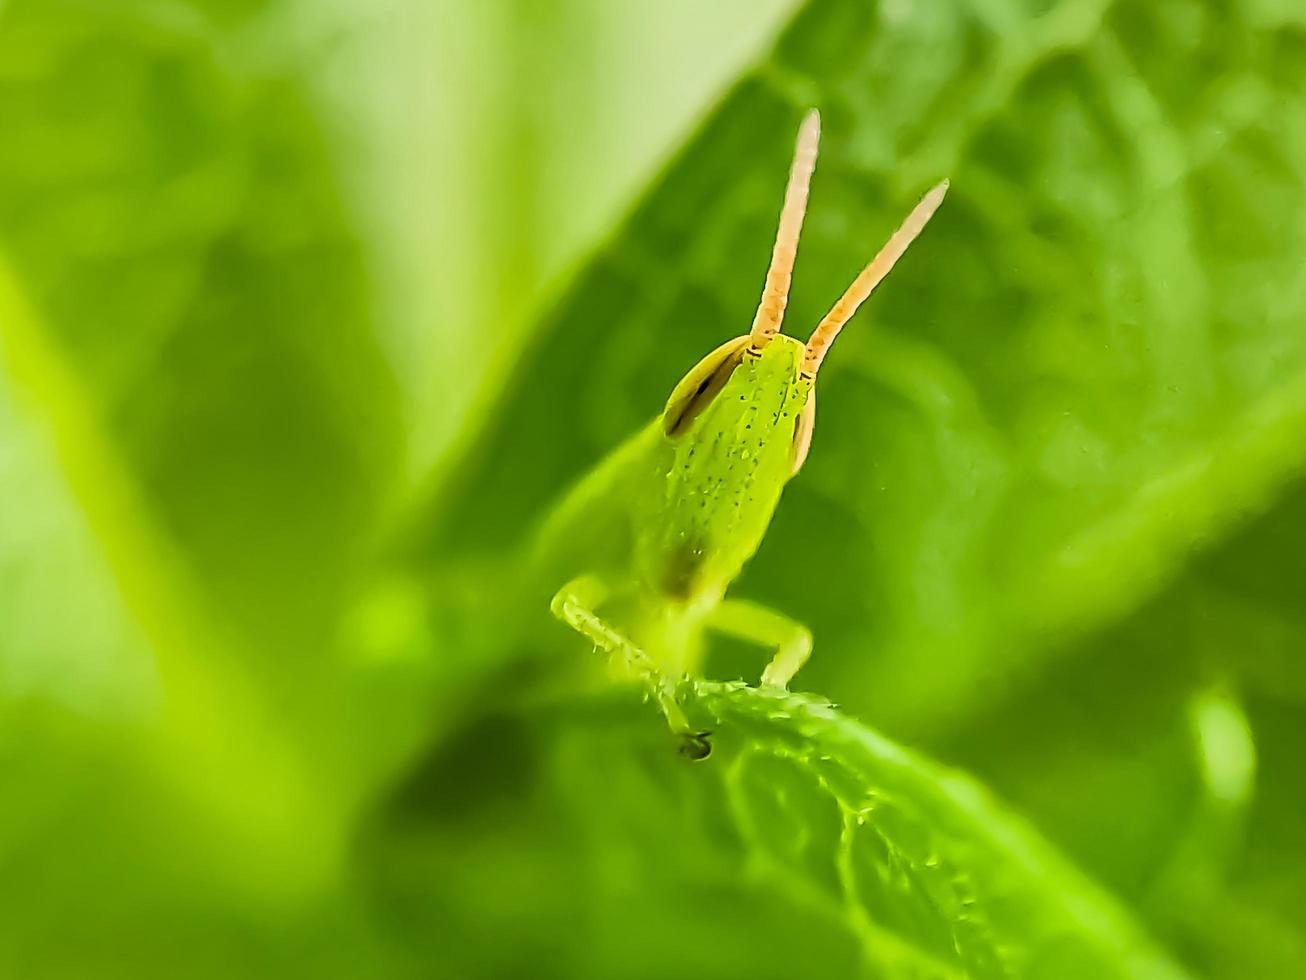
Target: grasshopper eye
{"points": [[697, 389], [803, 432]]}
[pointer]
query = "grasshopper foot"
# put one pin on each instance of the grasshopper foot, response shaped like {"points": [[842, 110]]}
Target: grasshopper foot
{"points": [[695, 746]]}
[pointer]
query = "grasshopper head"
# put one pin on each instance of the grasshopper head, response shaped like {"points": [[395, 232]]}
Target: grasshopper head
{"points": [[745, 403], [740, 423], [737, 428]]}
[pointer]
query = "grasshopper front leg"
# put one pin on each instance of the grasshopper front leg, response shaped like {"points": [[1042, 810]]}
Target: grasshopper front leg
{"points": [[792, 641], [576, 604]]}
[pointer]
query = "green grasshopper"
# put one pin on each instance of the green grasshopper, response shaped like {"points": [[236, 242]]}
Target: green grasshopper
{"points": [[649, 541]]}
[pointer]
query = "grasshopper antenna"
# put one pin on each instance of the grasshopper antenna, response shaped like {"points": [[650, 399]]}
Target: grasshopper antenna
{"points": [[775, 294], [870, 277]]}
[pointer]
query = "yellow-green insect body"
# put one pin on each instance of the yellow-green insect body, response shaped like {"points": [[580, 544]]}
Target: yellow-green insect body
{"points": [[645, 547], [724, 471]]}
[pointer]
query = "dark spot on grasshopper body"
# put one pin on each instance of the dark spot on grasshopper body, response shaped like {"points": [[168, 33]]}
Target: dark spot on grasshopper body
{"points": [[678, 577]]}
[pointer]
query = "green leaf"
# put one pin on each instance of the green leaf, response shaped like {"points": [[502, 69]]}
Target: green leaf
{"points": [[1161, 753], [805, 841], [931, 874], [140, 178]]}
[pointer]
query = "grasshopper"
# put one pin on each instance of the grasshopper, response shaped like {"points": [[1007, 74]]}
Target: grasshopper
{"points": [[650, 540]]}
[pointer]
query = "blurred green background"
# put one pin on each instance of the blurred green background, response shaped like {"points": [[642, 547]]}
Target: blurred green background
{"points": [[310, 308]]}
